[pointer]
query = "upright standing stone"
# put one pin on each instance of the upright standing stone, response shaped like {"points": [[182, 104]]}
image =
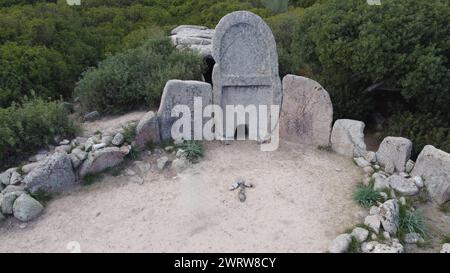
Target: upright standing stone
{"points": [[179, 92], [433, 165], [390, 216], [393, 153], [307, 112], [246, 69], [147, 130], [347, 138]]}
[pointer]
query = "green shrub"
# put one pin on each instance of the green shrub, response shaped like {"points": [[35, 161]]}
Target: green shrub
{"points": [[42, 196], [421, 129], [139, 36], [26, 128], [446, 239], [276, 6], [402, 45], [129, 132], [303, 3], [136, 78], [445, 208], [24, 69], [366, 196], [411, 222], [193, 150], [355, 246], [282, 26]]}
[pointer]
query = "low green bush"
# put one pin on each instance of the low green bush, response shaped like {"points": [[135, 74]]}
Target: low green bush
{"points": [[136, 77], [303, 3], [355, 246], [192, 150], [282, 26], [275, 6], [129, 132], [366, 196], [24, 69], [411, 222], [33, 124], [446, 239], [421, 129], [350, 47]]}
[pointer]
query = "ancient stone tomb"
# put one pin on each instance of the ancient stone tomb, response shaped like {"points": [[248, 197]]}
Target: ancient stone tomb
{"points": [[248, 89], [246, 69]]}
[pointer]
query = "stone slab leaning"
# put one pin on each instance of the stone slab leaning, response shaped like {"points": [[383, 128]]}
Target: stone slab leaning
{"points": [[433, 165]]}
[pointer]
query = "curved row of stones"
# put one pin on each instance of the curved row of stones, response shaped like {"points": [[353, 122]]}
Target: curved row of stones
{"points": [[391, 172], [63, 167]]}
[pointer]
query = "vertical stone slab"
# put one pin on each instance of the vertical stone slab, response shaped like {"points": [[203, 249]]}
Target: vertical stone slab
{"points": [[433, 165], [393, 154], [306, 113], [178, 92], [347, 138], [246, 69], [147, 131]]}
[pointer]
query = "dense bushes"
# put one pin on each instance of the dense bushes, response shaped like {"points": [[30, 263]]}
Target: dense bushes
{"points": [[403, 46], [136, 77], [34, 124], [421, 129], [282, 26], [25, 68], [276, 6]]}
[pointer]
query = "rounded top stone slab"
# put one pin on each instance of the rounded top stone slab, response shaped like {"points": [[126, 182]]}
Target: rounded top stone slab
{"points": [[243, 21]]}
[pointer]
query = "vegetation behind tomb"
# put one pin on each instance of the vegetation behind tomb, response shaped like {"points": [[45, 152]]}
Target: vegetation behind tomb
{"points": [[391, 59], [136, 77], [31, 125]]}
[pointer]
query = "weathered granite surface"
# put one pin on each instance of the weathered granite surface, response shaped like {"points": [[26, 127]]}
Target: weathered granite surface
{"points": [[307, 112], [197, 38], [179, 92], [433, 165], [246, 69]]}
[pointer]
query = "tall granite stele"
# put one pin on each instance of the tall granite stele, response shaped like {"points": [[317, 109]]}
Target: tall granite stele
{"points": [[246, 69]]}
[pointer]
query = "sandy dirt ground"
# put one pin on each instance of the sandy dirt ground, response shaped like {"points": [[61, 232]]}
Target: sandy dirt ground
{"points": [[110, 125], [301, 201]]}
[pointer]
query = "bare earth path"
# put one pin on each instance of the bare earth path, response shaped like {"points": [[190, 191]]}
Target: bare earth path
{"points": [[300, 203]]}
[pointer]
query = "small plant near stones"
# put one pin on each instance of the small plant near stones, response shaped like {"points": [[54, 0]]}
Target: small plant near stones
{"points": [[325, 148], [424, 244], [445, 208], [381, 238], [133, 154], [411, 222], [42, 196], [20, 171], [192, 150], [446, 239], [366, 196], [90, 179], [355, 246], [129, 132]]}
